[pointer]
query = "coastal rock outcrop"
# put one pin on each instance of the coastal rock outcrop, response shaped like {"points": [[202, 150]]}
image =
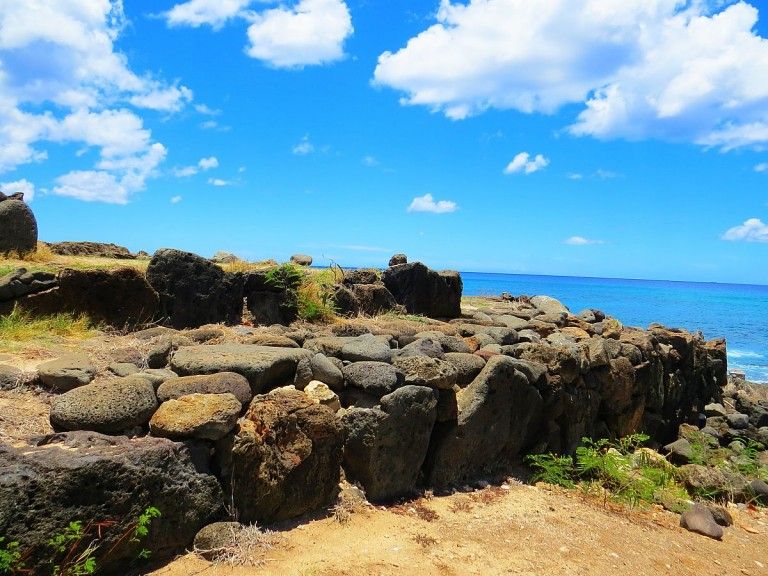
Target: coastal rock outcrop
{"points": [[193, 291], [424, 291]]}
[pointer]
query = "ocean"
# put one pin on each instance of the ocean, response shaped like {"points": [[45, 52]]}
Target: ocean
{"points": [[736, 312]]}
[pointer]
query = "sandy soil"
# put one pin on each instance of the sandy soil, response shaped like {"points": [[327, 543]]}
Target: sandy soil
{"points": [[514, 529]]}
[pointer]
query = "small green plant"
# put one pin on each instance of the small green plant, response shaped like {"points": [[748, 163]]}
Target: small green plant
{"points": [[11, 560], [286, 277], [553, 469], [20, 326]]}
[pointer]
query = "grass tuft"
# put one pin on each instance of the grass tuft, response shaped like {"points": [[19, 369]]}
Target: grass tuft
{"points": [[20, 326]]}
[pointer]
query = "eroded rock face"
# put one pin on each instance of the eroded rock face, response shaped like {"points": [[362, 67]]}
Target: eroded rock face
{"points": [[86, 476], [18, 228], [424, 291], [285, 457], [385, 447], [193, 291]]}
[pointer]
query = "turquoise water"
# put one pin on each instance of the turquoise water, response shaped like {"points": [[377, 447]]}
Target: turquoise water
{"points": [[736, 312]]}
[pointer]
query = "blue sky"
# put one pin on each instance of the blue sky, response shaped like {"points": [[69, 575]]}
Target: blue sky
{"points": [[573, 137]]}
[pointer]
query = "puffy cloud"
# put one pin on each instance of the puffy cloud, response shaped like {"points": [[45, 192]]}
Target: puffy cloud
{"points": [[24, 186], [524, 163], [212, 12], [304, 147], [753, 230], [208, 163], [427, 203], [219, 182], [204, 164], [185, 172], [692, 71], [311, 32], [762, 167], [175, 199], [581, 241], [59, 59]]}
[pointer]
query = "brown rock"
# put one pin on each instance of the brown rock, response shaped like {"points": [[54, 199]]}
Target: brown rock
{"points": [[204, 416]]}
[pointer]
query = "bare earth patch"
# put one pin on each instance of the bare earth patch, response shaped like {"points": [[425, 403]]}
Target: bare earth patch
{"points": [[522, 530]]}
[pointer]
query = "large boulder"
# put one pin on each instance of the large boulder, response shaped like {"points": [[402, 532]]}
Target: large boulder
{"points": [[194, 291], [262, 366], [385, 446], [111, 407], [301, 259], [373, 299], [120, 298], [285, 458], [202, 416], [67, 372], [374, 378], [88, 477], [267, 303], [219, 383], [482, 431], [18, 228], [424, 291]]}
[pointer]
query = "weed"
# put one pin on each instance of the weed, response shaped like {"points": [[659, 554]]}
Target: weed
{"points": [[249, 546], [462, 505], [424, 540], [553, 469], [424, 513]]}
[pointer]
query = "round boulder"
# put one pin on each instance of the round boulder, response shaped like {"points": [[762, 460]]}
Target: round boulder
{"points": [[215, 538], [301, 259], [111, 407], [398, 259], [18, 228], [67, 372], [219, 383]]}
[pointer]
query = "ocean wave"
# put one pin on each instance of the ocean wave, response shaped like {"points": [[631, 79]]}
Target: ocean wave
{"points": [[744, 354]]}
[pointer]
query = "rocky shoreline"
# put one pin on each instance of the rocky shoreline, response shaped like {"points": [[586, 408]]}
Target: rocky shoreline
{"points": [[208, 418]]}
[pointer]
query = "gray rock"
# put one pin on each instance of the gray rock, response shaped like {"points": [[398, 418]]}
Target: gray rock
{"points": [[699, 519], [374, 378], [385, 447], [759, 490], [202, 416], [427, 346], [157, 375], [512, 321], [680, 451], [467, 366], [215, 539], [110, 408], [720, 515], [10, 377], [429, 372], [262, 366], [534, 372], [324, 370], [219, 383], [67, 372], [18, 228], [87, 476], [301, 259], [303, 374], [482, 430], [549, 305], [367, 347], [502, 336], [587, 316], [424, 291], [163, 346], [715, 409], [329, 345], [123, 369], [738, 421], [398, 259]]}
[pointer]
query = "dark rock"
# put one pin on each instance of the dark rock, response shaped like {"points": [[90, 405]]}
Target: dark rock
{"points": [[373, 299], [194, 291], [18, 228], [215, 539], [427, 346], [303, 374], [385, 447], [111, 407], [482, 430], [398, 259], [67, 372], [286, 458], [301, 259], [89, 477], [738, 421], [467, 366], [93, 249], [345, 300], [447, 404], [120, 298], [361, 276], [424, 291], [374, 378], [10, 377], [218, 383], [367, 347], [163, 346], [324, 370], [680, 451], [157, 376], [264, 367], [759, 490], [715, 410], [699, 519], [721, 515]]}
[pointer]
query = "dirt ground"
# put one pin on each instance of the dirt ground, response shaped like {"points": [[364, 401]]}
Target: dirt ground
{"points": [[512, 529]]}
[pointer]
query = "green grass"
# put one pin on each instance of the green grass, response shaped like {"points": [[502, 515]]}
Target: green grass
{"points": [[20, 326]]}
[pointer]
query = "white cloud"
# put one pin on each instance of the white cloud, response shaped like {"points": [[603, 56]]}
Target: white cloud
{"points": [[311, 32], [575, 176], [24, 186], [762, 167], [581, 241], [692, 71], [370, 161], [304, 147], [212, 12], [219, 182], [427, 203], [175, 199], [208, 163], [753, 230], [206, 110], [523, 163], [185, 172], [62, 80]]}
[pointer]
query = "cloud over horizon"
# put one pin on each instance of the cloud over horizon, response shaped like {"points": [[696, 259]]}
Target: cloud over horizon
{"points": [[678, 71]]}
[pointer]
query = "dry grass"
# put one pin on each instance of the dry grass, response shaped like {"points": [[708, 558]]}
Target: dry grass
{"points": [[424, 540], [245, 266], [47, 261], [20, 326], [250, 546], [418, 509], [463, 505]]}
